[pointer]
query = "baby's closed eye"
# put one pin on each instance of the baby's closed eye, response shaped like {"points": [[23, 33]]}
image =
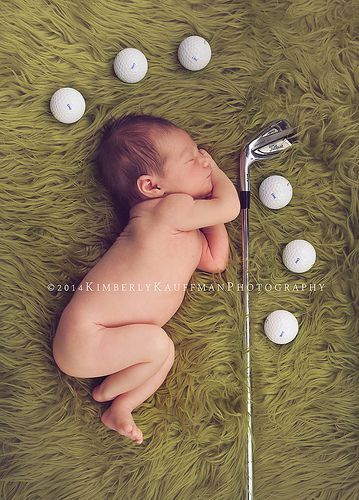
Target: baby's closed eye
{"points": [[193, 156]]}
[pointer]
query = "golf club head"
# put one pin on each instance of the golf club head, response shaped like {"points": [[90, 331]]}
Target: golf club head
{"points": [[271, 140], [274, 138]]}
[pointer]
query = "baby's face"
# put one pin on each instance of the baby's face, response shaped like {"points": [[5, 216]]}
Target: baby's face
{"points": [[186, 169]]}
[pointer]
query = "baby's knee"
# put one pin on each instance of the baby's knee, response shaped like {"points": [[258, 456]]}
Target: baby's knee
{"points": [[172, 349], [159, 344]]}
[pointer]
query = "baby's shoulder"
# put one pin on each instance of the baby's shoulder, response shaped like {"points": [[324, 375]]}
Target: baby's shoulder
{"points": [[174, 200], [170, 204], [143, 208]]}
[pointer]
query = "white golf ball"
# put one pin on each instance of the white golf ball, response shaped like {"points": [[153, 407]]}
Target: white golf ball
{"points": [[299, 256], [130, 65], [194, 53], [275, 192], [281, 326], [67, 105]]}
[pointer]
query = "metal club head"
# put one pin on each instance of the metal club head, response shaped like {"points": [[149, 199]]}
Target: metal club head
{"points": [[274, 138]]}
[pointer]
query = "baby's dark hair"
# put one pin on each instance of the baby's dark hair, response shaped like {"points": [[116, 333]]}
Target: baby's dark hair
{"points": [[126, 151]]}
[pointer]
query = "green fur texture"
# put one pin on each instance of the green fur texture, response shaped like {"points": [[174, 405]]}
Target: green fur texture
{"points": [[270, 59]]}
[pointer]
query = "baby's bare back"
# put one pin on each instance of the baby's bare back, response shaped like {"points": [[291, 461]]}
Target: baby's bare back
{"points": [[142, 277]]}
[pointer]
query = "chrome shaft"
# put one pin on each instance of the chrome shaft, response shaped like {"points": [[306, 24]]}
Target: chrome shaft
{"points": [[273, 139], [247, 344]]}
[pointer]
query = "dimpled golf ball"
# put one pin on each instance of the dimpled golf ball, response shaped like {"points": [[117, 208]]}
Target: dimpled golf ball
{"points": [[275, 192], [194, 53], [281, 326], [130, 65], [299, 256], [67, 105]]}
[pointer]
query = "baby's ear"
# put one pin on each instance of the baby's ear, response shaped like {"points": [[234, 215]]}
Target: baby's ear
{"points": [[147, 186]]}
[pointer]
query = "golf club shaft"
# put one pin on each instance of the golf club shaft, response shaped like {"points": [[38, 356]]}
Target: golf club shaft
{"points": [[274, 138], [244, 196], [245, 234]]}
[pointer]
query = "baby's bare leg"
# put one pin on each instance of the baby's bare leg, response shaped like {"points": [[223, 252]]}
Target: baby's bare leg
{"points": [[137, 350], [101, 351], [118, 417], [122, 381], [127, 379], [141, 350]]}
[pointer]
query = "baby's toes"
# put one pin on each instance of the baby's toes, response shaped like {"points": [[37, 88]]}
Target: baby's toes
{"points": [[126, 429], [137, 436], [134, 432]]}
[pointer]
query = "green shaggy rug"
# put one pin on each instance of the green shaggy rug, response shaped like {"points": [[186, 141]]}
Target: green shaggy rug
{"points": [[270, 59]]}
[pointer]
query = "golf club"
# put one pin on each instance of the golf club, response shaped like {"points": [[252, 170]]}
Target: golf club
{"points": [[273, 139]]}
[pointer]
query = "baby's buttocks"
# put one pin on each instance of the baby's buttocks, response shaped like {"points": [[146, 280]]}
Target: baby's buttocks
{"points": [[142, 278]]}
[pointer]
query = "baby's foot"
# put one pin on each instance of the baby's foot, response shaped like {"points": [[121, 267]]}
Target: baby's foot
{"points": [[119, 418]]}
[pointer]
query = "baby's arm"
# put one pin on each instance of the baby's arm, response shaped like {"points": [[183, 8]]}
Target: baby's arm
{"points": [[215, 249], [186, 213], [218, 244]]}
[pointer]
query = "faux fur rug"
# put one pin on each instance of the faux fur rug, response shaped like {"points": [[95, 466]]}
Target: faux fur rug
{"points": [[270, 59]]}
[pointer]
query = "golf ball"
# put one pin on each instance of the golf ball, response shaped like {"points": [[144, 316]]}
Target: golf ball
{"points": [[67, 105], [281, 326], [275, 192], [194, 53], [130, 65], [299, 256]]}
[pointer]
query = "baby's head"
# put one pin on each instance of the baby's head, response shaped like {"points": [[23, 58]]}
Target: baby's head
{"points": [[142, 157]]}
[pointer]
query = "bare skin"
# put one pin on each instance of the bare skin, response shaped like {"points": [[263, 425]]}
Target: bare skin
{"points": [[117, 332]]}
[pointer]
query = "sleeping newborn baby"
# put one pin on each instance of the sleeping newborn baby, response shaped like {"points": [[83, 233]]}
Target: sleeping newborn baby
{"points": [[178, 201]]}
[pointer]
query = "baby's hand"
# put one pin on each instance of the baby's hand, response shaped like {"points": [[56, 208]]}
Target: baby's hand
{"points": [[212, 163]]}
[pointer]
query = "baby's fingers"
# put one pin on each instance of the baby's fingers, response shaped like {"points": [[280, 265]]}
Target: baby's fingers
{"points": [[207, 155]]}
